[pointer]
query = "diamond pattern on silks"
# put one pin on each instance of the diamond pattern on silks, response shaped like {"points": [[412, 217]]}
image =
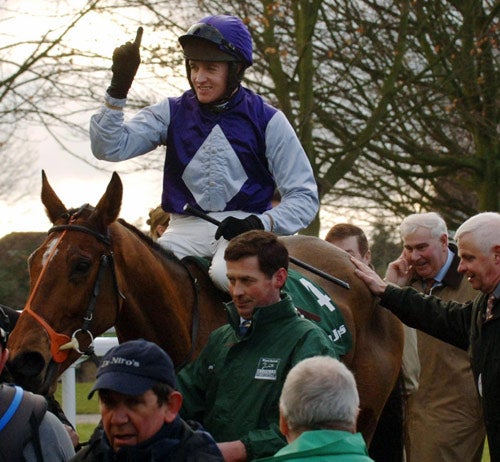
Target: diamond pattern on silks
{"points": [[245, 326], [215, 174]]}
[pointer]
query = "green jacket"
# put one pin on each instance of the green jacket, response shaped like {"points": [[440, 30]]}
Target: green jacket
{"points": [[324, 446], [234, 385]]}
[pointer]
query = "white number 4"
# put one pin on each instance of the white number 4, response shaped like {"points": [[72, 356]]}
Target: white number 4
{"points": [[323, 299]]}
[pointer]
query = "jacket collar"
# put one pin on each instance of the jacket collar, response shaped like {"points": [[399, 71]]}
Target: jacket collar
{"points": [[452, 278], [264, 314]]}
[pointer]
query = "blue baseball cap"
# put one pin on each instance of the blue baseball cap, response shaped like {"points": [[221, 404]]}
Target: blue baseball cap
{"points": [[133, 367]]}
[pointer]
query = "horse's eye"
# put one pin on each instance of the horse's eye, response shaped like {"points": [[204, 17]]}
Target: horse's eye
{"points": [[81, 267]]}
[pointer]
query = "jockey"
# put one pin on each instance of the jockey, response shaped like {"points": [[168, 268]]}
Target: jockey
{"points": [[226, 148]]}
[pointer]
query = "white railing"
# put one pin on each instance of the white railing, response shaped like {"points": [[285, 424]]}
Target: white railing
{"points": [[68, 380]]}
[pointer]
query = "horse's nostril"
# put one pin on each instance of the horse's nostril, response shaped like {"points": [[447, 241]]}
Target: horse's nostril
{"points": [[30, 371], [27, 365]]}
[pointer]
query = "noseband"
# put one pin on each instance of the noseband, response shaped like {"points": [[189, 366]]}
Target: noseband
{"points": [[60, 344]]}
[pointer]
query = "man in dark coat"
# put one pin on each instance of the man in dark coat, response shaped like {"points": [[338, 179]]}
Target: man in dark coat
{"points": [[139, 408], [473, 326]]}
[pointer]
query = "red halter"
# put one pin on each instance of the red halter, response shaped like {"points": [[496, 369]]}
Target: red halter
{"points": [[56, 339], [60, 344]]}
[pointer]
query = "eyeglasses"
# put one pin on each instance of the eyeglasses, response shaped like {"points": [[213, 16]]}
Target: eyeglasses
{"points": [[208, 32]]}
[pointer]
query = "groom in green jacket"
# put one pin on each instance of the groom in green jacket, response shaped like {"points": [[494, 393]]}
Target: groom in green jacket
{"points": [[233, 387]]}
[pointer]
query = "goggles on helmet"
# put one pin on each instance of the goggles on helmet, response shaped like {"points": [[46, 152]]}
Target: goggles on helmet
{"points": [[211, 34]]}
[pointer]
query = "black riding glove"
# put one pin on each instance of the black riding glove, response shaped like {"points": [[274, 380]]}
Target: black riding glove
{"points": [[231, 227], [126, 60]]}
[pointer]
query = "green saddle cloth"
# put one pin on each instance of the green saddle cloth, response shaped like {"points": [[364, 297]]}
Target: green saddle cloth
{"points": [[315, 304]]}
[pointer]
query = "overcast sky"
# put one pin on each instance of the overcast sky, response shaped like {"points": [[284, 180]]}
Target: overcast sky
{"points": [[77, 183], [74, 181]]}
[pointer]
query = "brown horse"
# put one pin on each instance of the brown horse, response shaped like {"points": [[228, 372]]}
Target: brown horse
{"points": [[94, 271]]}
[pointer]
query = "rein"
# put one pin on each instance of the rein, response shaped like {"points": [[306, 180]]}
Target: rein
{"points": [[61, 343]]}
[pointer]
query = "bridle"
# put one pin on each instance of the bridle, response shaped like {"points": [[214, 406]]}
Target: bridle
{"points": [[60, 344]]}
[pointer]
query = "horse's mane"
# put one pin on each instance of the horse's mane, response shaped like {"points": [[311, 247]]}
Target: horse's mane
{"points": [[166, 253]]}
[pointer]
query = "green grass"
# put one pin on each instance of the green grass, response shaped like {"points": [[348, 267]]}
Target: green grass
{"points": [[85, 430], [83, 405], [486, 453]]}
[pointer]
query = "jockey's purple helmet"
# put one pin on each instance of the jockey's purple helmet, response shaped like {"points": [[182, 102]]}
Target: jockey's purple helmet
{"points": [[230, 40]]}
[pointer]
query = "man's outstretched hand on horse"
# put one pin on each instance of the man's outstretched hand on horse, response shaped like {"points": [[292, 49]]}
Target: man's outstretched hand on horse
{"points": [[373, 281], [231, 227], [126, 60], [398, 273]]}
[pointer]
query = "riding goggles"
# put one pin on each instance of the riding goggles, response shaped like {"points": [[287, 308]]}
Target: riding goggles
{"points": [[210, 33]]}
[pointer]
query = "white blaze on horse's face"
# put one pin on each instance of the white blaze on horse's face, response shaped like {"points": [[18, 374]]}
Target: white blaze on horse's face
{"points": [[48, 251]]}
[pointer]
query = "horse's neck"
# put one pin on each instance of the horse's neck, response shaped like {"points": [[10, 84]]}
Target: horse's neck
{"points": [[159, 296]]}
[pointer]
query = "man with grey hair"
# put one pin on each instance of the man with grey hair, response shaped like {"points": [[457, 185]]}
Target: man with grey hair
{"points": [[473, 326], [319, 406], [444, 418]]}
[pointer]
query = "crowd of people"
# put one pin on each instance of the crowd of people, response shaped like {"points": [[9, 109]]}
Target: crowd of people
{"points": [[269, 385], [469, 326]]}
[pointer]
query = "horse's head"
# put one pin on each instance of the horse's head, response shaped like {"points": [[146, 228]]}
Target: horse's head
{"points": [[71, 276]]}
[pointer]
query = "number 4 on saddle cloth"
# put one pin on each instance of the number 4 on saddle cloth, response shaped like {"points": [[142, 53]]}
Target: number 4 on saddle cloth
{"points": [[312, 303], [315, 304]]}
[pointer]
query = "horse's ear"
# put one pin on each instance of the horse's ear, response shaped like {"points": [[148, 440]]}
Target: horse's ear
{"points": [[53, 205], [108, 208]]}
